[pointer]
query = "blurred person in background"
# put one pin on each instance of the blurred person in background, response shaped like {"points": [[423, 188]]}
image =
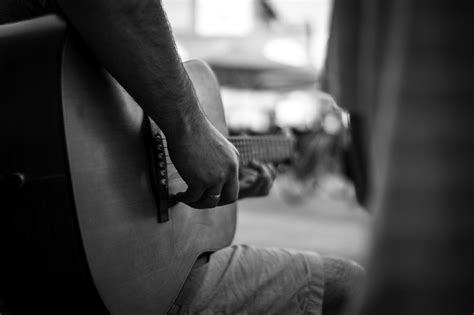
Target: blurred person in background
{"points": [[234, 279], [405, 69]]}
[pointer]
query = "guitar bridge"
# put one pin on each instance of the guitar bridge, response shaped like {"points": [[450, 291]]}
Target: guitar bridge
{"points": [[158, 172], [162, 177]]}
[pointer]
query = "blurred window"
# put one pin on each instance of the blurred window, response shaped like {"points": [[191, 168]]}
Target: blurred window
{"points": [[304, 22], [224, 18]]}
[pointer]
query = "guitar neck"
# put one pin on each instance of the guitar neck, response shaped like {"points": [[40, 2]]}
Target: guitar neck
{"points": [[266, 149], [270, 148]]}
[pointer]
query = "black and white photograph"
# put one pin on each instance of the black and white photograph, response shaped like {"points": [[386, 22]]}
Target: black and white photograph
{"points": [[201, 157]]}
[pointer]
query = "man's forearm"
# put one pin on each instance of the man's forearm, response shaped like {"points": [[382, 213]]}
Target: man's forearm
{"points": [[132, 39]]}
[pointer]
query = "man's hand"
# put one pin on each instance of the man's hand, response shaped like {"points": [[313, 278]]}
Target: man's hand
{"points": [[256, 179], [133, 41], [208, 163]]}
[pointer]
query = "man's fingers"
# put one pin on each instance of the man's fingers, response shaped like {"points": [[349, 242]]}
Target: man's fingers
{"points": [[263, 186], [267, 174], [209, 199], [256, 165], [216, 195], [266, 171], [273, 171], [230, 192], [190, 196], [247, 172]]}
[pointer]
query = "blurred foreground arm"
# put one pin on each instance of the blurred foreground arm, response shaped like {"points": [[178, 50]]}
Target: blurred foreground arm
{"points": [[133, 41]]}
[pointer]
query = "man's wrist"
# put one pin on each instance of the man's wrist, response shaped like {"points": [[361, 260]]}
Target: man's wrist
{"points": [[181, 121]]}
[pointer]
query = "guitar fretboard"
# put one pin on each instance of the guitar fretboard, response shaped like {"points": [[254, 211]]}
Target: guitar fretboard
{"points": [[271, 148]]}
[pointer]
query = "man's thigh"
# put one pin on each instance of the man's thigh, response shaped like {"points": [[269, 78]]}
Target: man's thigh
{"points": [[250, 280]]}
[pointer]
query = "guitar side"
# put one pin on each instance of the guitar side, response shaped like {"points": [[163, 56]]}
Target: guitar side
{"points": [[43, 267], [138, 265]]}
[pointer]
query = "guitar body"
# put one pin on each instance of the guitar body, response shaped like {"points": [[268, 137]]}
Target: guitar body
{"points": [[100, 166]]}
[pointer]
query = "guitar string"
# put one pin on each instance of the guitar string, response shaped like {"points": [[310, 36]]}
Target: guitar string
{"points": [[244, 144]]}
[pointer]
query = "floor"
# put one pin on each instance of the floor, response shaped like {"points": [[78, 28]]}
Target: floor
{"points": [[328, 221]]}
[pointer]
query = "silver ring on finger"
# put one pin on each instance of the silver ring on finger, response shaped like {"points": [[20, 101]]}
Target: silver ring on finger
{"points": [[214, 197]]}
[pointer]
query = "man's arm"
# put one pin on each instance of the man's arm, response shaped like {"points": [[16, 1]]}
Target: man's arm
{"points": [[133, 41]]}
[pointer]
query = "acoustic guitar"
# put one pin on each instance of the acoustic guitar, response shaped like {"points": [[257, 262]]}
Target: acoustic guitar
{"points": [[87, 226]]}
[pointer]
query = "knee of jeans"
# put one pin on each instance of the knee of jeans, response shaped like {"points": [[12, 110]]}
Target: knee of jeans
{"points": [[343, 283]]}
